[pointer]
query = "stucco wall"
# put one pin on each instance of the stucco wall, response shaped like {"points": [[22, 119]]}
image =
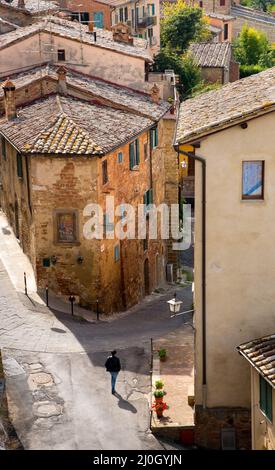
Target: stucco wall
{"points": [[91, 6], [240, 260], [103, 63], [263, 431], [266, 28]]}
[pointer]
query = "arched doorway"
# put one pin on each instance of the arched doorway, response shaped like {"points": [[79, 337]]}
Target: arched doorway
{"points": [[146, 277]]}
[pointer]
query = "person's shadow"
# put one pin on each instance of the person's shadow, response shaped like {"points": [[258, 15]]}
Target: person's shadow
{"points": [[124, 404]]}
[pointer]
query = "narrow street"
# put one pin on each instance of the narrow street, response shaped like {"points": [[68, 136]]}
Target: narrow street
{"points": [[58, 390]]}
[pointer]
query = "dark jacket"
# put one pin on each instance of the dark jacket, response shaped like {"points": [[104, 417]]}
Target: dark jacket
{"points": [[112, 364]]}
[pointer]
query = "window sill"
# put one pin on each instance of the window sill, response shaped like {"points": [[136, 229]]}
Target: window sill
{"points": [[67, 244], [135, 168]]}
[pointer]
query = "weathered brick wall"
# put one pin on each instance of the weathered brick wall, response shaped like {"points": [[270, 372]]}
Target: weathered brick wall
{"points": [[15, 198], [234, 72], [213, 74], [210, 421], [211, 6]]}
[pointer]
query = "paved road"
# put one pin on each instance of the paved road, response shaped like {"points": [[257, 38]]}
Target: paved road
{"points": [[63, 401]]}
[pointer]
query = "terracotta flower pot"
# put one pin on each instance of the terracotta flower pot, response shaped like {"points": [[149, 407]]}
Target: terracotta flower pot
{"points": [[159, 414], [158, 399], [162, 358]]}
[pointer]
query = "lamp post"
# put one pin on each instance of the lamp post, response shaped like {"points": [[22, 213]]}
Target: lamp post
{"points": [[174, 306], [72, 300]]}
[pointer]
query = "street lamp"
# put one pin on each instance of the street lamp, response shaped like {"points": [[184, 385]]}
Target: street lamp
{"points": [[174, 304]]}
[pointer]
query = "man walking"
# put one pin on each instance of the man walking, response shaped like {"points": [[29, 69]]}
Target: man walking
{"points": [[113, 366]]}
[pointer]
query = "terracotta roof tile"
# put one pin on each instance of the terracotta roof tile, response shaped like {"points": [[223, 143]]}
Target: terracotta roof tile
{"points": [[261, 355], [64, 125], [223, 107], [211, 54], [32, 6]]}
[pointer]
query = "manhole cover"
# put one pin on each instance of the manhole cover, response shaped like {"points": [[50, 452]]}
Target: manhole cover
{"points": [[46, 409], [39, 379]]}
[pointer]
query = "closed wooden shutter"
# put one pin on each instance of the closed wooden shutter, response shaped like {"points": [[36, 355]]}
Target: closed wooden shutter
{"points": [[137, 152], [132, 155]]}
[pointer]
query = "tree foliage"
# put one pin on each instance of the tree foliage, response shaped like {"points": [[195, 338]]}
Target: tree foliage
{"points": [[182, 24], [183, 65], [264, 5], [252, 48]]}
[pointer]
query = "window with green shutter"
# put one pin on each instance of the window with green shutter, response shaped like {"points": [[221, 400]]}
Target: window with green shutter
{"points": [[266, 398], [154, 138], [148, 199], [134, 154], [116, 253], [19, 165]]}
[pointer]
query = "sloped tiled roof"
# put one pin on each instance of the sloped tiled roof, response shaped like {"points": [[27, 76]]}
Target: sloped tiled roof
{"points": [[251, 14], [231, 103], [220, 16], [32, 6], [64, 125], [261, 355], [71, 30], [211, 54], [117, 95]]}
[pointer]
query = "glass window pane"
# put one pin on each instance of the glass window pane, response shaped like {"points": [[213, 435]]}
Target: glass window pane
{"points": [[253, 179]]}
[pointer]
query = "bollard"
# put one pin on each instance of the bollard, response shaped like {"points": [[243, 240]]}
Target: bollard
{"points": [[25, 282], [72, 300], [47, 296]]}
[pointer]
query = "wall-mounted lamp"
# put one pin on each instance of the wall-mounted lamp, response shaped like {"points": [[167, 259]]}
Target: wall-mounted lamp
{"points": [[80, 259], [244, 125]]}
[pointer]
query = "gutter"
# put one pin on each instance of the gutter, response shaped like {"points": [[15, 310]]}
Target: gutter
{"points": [[203, 266]]}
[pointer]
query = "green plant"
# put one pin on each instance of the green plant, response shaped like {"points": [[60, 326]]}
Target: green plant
{"points": [[159, 393], [159, 384], [162, 352], [159, 407]]}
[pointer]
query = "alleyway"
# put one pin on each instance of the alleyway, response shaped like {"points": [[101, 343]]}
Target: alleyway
{"points": [[78, 410]]}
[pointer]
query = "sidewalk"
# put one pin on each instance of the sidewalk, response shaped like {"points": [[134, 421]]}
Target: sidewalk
{"points": [[177, 373]]}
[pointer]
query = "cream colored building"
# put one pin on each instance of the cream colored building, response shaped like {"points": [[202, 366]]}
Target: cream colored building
{"points": [[260, 354], [231, 135], [143, 18], [97, 53]]}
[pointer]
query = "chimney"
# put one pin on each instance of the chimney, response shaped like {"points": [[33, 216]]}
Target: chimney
{"points": [[62, 83], [21, 4], [9, 98], [155, 94], [91, 27], [121, 33]]}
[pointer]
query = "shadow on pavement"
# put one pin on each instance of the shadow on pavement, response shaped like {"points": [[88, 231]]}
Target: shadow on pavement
{"points": [[124, 404]]}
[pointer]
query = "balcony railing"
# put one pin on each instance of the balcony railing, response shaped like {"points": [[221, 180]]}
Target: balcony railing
{"points": [[146, 21]]}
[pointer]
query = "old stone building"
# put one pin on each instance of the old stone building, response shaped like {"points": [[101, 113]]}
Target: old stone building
{"points": [[63, 42], [216, 61], [69, 140], [229, 135]]}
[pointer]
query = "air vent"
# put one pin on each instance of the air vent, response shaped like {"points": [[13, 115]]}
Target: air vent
{"points": [[228, 439]]}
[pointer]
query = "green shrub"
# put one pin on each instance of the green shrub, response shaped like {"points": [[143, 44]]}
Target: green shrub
{"points": [[247, 70], [159, 384], [159, 393]]}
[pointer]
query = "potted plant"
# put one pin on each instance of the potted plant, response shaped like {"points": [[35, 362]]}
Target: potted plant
{"points": [[159, 408], [159, 394], [159, 384], [162, 354]]}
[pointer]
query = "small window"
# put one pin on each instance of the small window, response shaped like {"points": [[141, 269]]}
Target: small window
{"points": [[266, 398], [61, 55], [134, 154], [116, 253], [225, 31], [19, 165], [107, 225], [120, 157], [154, 137], [104, 172], [121, 15], [125, 14], [253, 180], [122, 211], [222, 3], [3, 148], [148, 199], [66, 226], [153, 9], [201, 4]]}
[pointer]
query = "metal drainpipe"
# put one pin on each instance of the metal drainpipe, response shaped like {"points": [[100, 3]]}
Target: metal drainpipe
{"points": [[203, 267]]}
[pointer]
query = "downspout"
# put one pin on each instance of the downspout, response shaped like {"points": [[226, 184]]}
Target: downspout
{"points": [[203, 266]]}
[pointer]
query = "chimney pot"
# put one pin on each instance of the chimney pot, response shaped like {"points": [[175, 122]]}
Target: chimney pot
{"points": [[155, 94], [62, 83], [91, 26], [9, 97]]}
